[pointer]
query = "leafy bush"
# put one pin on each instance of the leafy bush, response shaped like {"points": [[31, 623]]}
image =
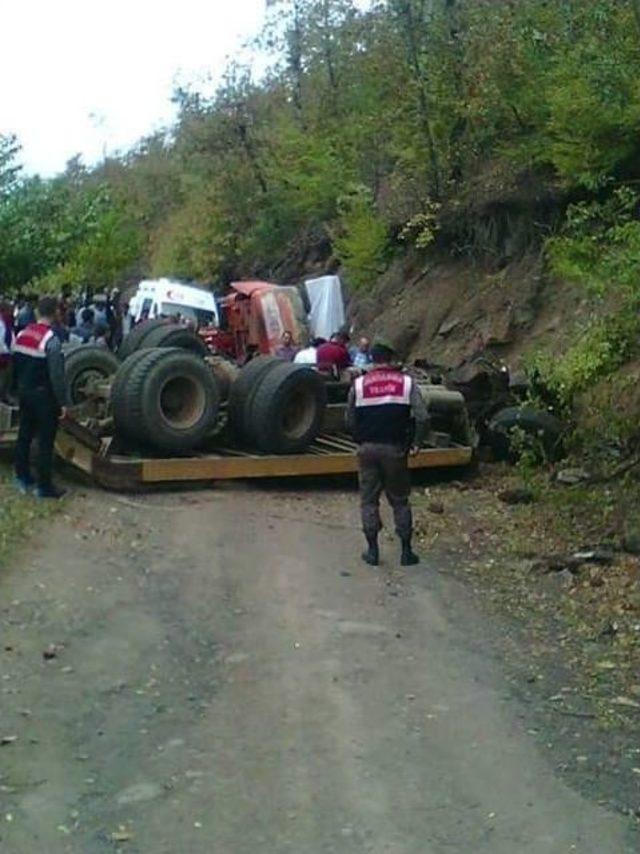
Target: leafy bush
{"points": [[598, 350], [599, 248], [361, 241], [421, 229], [594, 101], [194, 241], [600, 245]]}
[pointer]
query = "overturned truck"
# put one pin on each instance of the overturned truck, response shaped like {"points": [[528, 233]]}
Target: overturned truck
{"points": [[171, 411]]}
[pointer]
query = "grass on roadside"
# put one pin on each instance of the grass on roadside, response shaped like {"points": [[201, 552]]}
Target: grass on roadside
{"points": [[19, 514]]}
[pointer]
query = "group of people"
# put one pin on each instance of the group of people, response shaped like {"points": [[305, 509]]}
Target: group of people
{"points": [[32, 335], [385, 411], [97, 319], [388, 419], [335, 354]]}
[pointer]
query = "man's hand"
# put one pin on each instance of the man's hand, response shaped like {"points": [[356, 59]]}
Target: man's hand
{"points": [[64, 411], [414, 450]]}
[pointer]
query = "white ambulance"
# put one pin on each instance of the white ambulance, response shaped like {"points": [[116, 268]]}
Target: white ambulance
{"points": [[168, 298]]}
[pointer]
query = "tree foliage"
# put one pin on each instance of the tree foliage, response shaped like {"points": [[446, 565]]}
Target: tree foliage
{"points": [[368, 127], [9, 166]]}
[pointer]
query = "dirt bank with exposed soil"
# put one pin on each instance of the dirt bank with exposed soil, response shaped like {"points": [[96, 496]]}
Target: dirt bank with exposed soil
{"points": [[447, 310]]}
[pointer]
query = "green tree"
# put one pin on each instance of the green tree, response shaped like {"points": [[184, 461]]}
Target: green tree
{"points": [[9, 166]]}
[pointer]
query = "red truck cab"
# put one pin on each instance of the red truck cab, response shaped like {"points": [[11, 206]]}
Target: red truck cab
{"points": [[253, 317]]}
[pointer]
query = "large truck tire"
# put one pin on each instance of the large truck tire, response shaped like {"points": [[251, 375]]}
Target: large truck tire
{"points": [[173, 335], [169, 401], [86, 364], [134, 340], [242, 392], [117, 399], [542, 433], [287, 409]]}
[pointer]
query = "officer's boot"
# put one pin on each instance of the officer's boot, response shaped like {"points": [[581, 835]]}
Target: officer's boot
{"points": [[408, 557], [372, 554]]}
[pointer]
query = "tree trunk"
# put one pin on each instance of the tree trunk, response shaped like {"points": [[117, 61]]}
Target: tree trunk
{"points": [[249, 150], [459, 127], [327, 50], [294, 40], [411, 28]]}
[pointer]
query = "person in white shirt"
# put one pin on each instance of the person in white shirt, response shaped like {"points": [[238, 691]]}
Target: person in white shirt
{"points": [[309, 355]]}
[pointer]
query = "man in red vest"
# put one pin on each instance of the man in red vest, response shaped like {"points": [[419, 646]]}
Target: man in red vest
{"points": [[388, 418], [42, 395]]}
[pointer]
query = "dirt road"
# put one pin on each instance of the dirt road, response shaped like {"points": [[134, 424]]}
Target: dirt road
{"points": [[229, 679]]}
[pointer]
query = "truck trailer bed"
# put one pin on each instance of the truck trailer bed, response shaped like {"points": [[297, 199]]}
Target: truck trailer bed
{"points": [[333, 453], [329, 455]]}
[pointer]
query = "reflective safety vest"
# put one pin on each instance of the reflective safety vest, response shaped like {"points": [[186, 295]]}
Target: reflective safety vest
{"points": [[33, 340], [383, 407], [30, 357]]}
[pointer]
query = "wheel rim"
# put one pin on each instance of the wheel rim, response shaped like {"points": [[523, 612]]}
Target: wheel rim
{"points": [[82, 383], [182, 402], [299, 413]]}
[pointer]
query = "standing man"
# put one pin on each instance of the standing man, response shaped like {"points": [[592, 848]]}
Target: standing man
{"points": [[25, 315], [42, 396], [388, 418], [287, 349]]}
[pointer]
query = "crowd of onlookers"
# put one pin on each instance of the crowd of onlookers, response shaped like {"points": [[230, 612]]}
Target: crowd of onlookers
{"points": [[100, 319], [89, 318], [104, 320], [336, 354]]}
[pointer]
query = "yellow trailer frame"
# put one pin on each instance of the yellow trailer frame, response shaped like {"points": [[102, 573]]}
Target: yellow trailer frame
{"points": [[332, 453], [329, 455]]}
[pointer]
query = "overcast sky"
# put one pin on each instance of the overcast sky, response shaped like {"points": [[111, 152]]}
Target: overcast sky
{"points": [[81, 76]]}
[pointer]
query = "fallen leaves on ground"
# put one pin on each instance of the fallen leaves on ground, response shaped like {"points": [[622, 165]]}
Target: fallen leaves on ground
{"points": [[556, 565]]}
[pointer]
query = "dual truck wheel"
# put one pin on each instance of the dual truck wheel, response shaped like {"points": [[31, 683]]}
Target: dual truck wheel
{"points": [[88, 363], [166, 398], [276, 407], [169, 398]]}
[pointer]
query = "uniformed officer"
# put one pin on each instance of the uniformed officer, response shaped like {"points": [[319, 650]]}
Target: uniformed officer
{"points": [[388, 418], [42, 397]]}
